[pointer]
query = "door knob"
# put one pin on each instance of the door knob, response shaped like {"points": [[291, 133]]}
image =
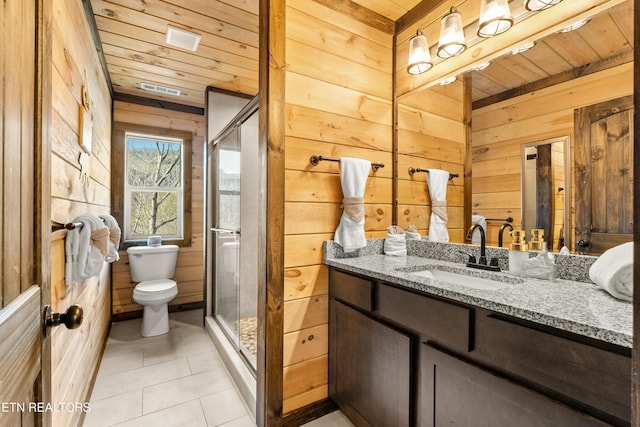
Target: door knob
{"points": [[72, 318]]}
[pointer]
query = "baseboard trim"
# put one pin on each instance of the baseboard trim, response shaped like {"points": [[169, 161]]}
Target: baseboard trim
{"points": [[137, 314], [309, 413]]}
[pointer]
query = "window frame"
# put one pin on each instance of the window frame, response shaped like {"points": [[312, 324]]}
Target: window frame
{"points": [[118, 185]]}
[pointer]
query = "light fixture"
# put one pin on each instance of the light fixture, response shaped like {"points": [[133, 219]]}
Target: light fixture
{"points": [[482, 66], [575, 26], [419, 55], [495, 18], [451, 35], [536, 5], [523, 48], [448, 80]]}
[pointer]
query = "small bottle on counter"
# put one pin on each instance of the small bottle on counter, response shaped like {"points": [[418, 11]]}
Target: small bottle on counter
{"points": [[518, 252], [537, 239]]}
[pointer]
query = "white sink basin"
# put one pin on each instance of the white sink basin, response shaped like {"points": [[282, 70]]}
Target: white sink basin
{"points": [[461, 279]]}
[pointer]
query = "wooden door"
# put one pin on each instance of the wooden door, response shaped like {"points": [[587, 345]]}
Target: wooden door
{"points": [[21, 250], [604, 174]]}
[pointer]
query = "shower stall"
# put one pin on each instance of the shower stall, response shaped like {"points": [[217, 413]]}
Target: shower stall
{"points": [[235, 215]]}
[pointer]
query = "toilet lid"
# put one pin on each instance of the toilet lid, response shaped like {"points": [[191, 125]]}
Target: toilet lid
{"points": [[155, 286]]}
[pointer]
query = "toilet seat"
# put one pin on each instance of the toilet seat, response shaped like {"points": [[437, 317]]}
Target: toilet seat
{"points": [[156, 289]]}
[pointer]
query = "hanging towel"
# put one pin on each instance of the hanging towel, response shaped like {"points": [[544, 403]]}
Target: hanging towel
{"points": [[482, 222], [85, 248], [395, 244], [613, 271], [438, 180], [114, 237], [353, 176], [412, 233]]}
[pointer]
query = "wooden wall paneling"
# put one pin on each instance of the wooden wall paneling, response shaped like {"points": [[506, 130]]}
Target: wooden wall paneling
{"points": [[75, 354], [326, 126], [357, 70]]}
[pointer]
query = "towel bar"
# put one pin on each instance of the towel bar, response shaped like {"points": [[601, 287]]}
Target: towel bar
{"points": [[507, 219], [314, 160], [55, 225], [414, 170]]}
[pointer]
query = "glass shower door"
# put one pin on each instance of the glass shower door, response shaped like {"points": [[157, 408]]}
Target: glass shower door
{"points": [[226, 233], [237, 207]]}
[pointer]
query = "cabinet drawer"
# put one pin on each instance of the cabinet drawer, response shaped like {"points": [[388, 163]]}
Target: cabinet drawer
{"points": [[350, 289], [438, 321], [580, 372]]}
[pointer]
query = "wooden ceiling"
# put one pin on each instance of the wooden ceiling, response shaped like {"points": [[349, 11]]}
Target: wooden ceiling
{"points": [[132, 33]]}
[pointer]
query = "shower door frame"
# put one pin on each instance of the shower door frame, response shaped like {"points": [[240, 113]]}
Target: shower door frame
{"points": [[211, 206]]}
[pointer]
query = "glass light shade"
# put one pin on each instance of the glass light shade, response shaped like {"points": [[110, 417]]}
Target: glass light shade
{"points": [[495, 18], [419, 55], [452, 41], [536, 5]]}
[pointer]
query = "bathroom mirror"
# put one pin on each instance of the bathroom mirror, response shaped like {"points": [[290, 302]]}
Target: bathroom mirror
{"points": [[544, 183], [560, 74]]}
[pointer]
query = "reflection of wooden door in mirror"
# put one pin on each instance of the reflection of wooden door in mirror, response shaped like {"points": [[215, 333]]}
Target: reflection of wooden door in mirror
{"points": [[604, 174]]}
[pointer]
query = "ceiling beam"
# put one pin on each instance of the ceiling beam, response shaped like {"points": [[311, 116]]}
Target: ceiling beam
{"points": [[165, 105], [361, 14], [418, 12], [583, 70]]}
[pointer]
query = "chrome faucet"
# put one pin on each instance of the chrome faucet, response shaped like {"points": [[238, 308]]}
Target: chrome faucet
{"points": [[482, 260], [502, 227]]}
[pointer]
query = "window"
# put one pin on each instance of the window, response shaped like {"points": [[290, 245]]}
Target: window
{"points": [[152, 184]]}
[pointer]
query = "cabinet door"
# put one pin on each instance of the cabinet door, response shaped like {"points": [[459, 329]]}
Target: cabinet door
{"points": [[369, 368], [454, 392]]}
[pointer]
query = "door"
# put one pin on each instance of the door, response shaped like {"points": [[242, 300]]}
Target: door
{"points": [[235, 234], [604, 175], [20, 300]]}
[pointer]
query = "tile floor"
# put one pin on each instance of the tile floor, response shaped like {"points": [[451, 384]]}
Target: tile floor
{"points": [[176, 379]]}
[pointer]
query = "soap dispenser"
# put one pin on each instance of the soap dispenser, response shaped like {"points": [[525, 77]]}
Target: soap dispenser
{"points": [[537, 239], [518, 252]]}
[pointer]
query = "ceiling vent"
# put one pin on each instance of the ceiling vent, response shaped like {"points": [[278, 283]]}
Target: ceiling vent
{"points": [[182, 38], [160, 89]]}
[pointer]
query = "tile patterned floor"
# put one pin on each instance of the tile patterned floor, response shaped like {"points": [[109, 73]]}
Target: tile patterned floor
{"points": [[176, 379]]}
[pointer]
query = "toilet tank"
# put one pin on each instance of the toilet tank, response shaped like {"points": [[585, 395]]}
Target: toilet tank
{"points": [[152, 262]]}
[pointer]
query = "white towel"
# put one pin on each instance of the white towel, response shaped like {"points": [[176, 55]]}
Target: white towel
{"points": [[412, 233], [395, 244], [482, 222], [114, 237], [438, 180], [353, 176], [613, 271], [85, 249]]}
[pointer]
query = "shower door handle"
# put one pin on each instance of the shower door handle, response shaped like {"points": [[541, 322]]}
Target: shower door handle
{"points": [[225, 230]]}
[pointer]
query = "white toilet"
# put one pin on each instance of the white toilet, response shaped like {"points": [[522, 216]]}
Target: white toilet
{"points": [[153, 267]]}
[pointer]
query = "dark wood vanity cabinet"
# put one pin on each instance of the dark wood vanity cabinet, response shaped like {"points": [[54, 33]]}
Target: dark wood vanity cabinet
{"points": [[369, 362], [403, 358]]}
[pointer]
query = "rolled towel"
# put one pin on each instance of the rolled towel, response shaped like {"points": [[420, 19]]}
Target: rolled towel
{"points": [[412, 233], [613, 271], [395, 243], [114, 237]]}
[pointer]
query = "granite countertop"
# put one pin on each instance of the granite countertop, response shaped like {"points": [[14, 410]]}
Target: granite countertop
{"points": [[578, 307]]}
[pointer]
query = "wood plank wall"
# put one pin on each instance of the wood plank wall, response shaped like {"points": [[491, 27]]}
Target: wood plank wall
{"points": [[338, 103], [431, 134], [500, 129], [75, 354], [189, 269]]}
